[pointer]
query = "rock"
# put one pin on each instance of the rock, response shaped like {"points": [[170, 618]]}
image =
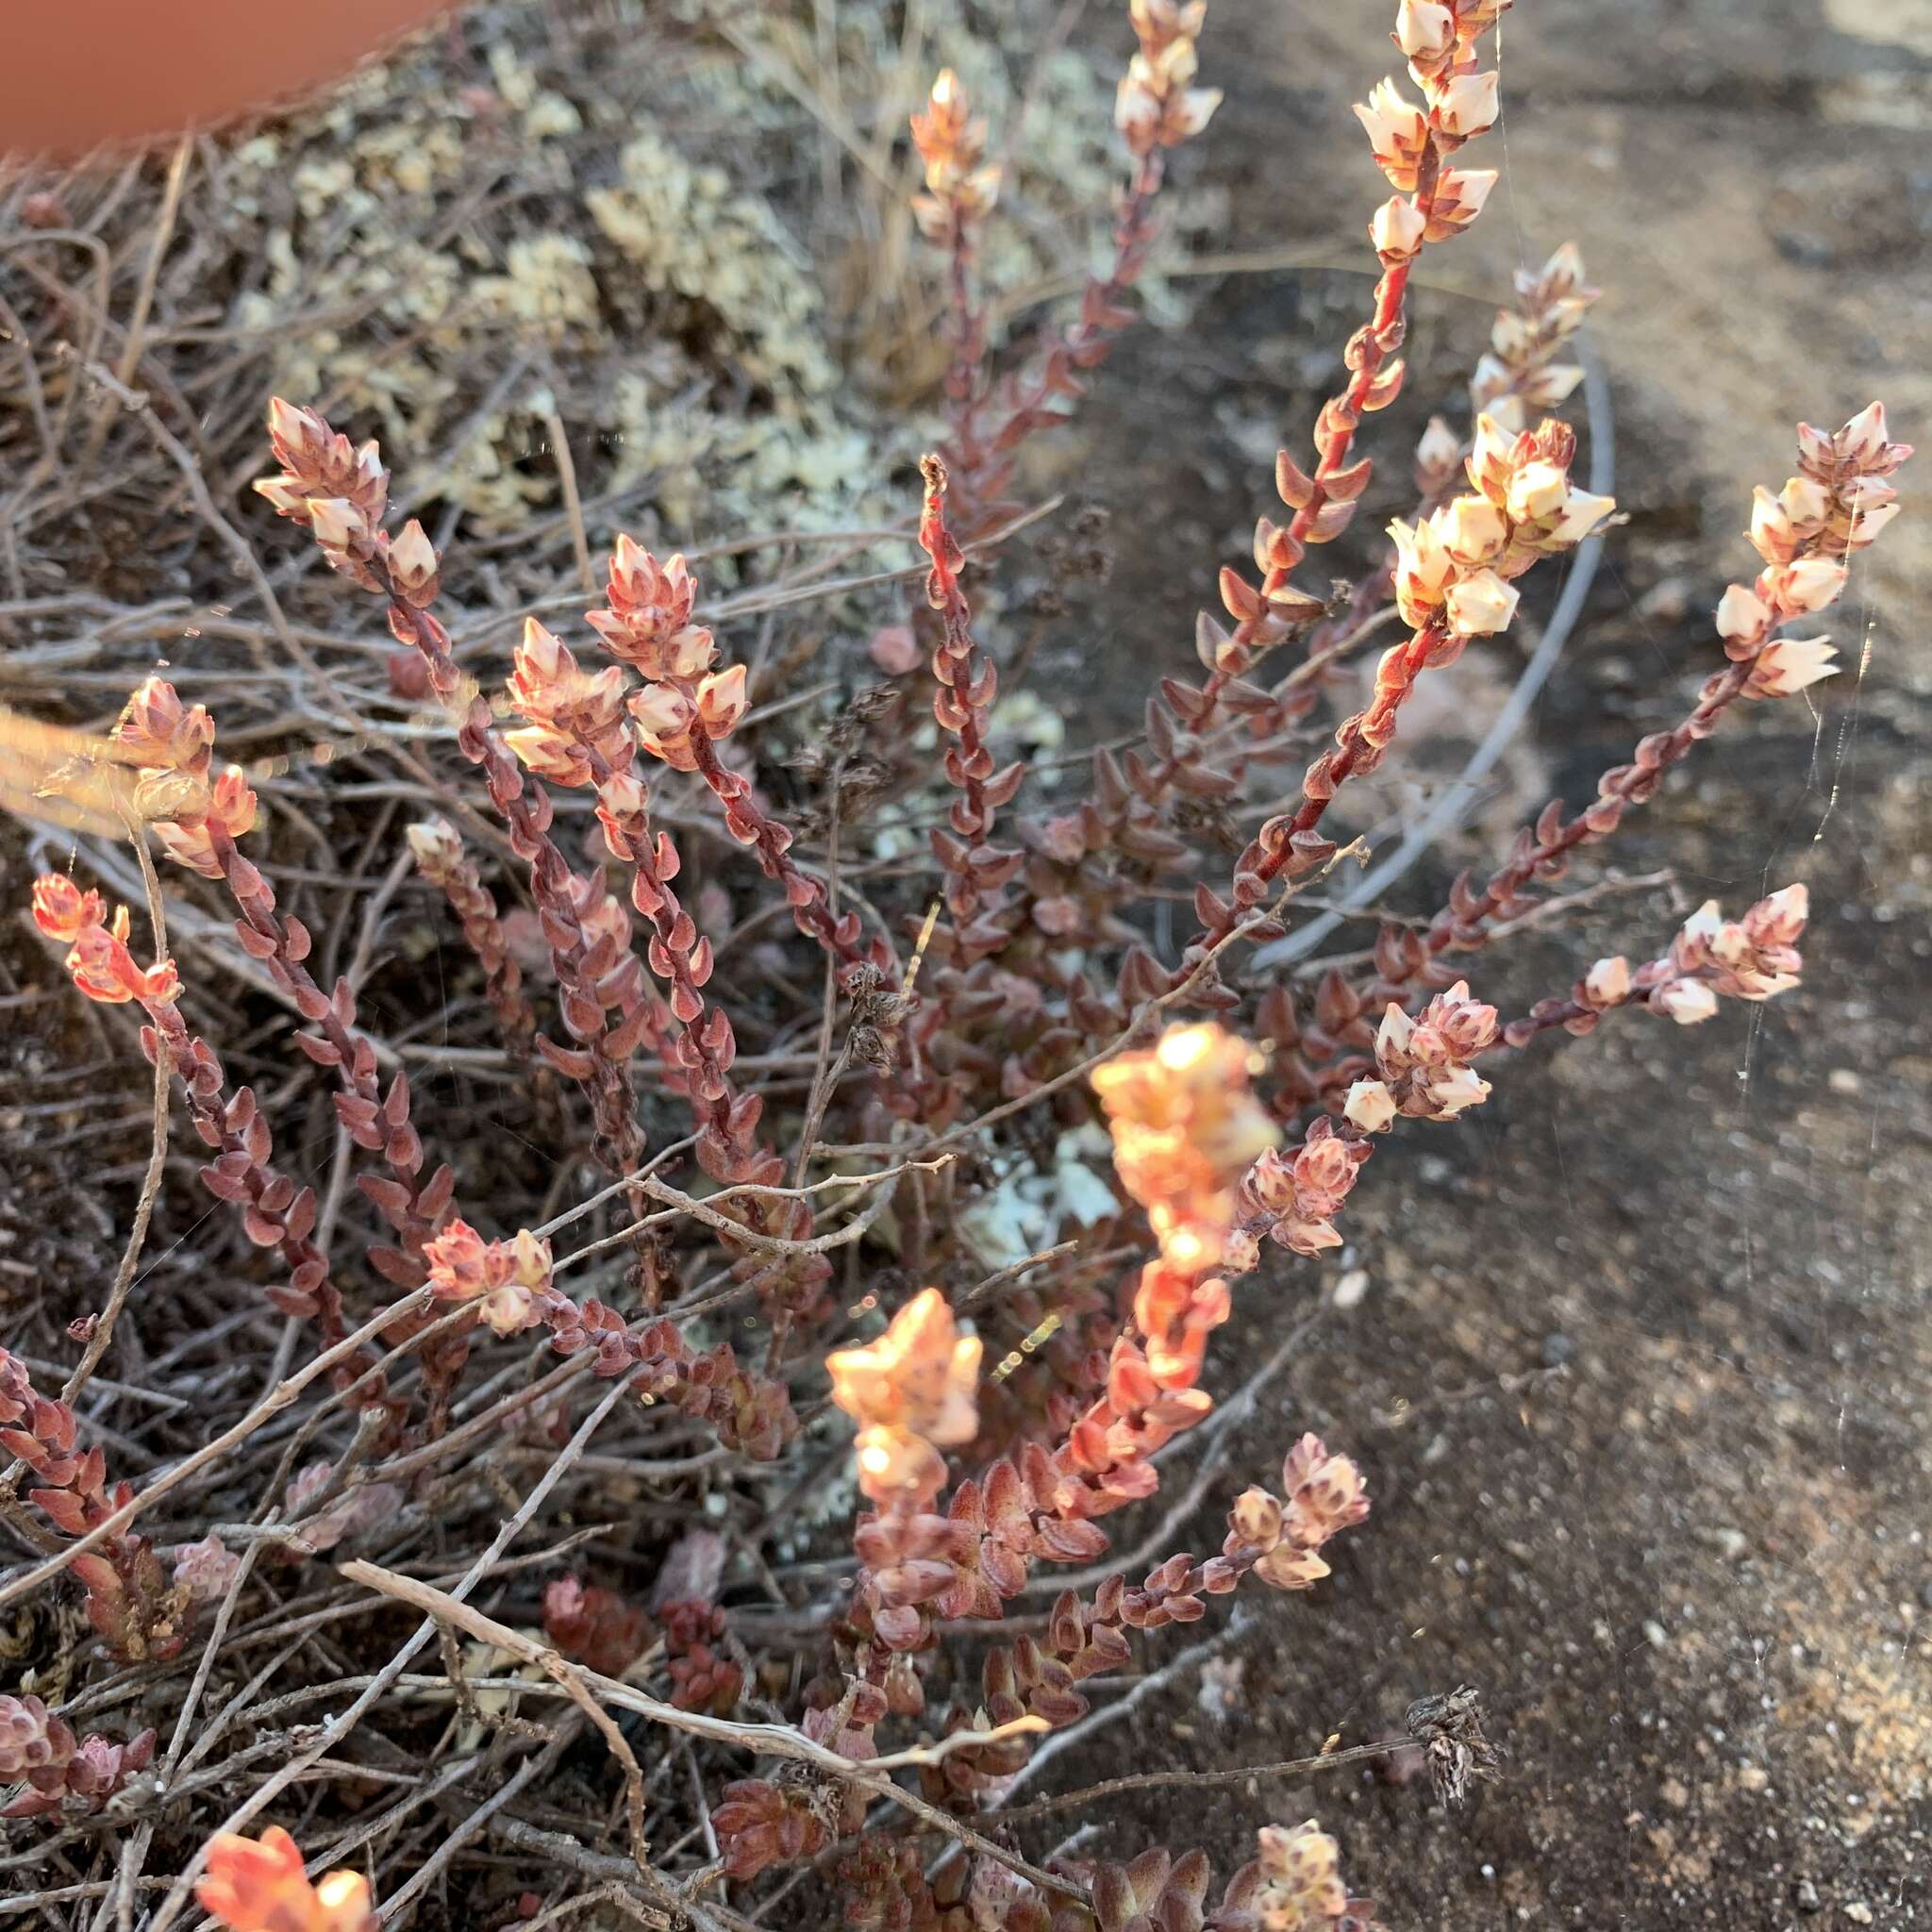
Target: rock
{"points": [[1558, 1349], [1804, 1896]]}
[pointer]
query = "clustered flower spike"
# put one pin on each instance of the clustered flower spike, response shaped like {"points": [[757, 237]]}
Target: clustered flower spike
{"points": [[1423, 1063], [1754, 958], [508, 1281], [960, 185], [59, 1772], [1453, 568], [1323, 1496], [1432, 201], [912, 1392], [1156, 105], [1186, 1127], [1301, 1888], [178, 790], [1838, 502], [341, 494], [1293, 1198], [258, 1886], [98, 959], [1518, 372]]}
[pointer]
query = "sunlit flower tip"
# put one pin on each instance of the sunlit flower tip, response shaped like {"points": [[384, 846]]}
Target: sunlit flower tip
{"points": [[1397, 228], [1460, 193], [1554, 383], [1608, 983], [1472, 529], [1787, 909], [288, 499], [1742, 615], [1582, 512], [1423, 30], [921, 1376], [337, 521], [1467, 105], [1397, 131], [1811, 583], [62, 911], [1286, 1566], [1257, 1518], [1867, 523], [1703, 925], [293, 426], [1438, 447], [1863, 439], [411, 554], [1369, 1106], [1188, 118], [1481, 605], [260, 1887], [1490, 456], [435, 847], [1536, 491], [1804, 501], [663, 711], [1772, 534], [1456, 1088], [1564, 271], [1792, 664], [1392, 1036], [1688, 1002], [722, 700], [623, 794]]}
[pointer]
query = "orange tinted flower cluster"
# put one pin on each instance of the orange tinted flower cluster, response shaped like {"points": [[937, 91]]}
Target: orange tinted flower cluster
{"points": [[912, 1393], [98, 959], [258, 1886], [1301, 1888], [188, 802], [508, 1281]]}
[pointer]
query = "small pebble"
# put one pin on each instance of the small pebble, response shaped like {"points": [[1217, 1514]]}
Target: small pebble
{"points": [[1558, 1349], [1804, 1896]]}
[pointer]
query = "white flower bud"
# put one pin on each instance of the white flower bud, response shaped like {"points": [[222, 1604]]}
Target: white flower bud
{"points": [[1582, 513], [1790, 665], [1811, 583], [1687, 1001], [1369, 1106], [1424, 30], [1608, 983], [1490, 458], [1397, 229], [1863, 440], [1467, 105], [1472, 529], [1536, 491], [1439, 446], [1481, 605], [1805, 502], [1456, 1088], [337, 521], [1742, 615], [1772, 533]]}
